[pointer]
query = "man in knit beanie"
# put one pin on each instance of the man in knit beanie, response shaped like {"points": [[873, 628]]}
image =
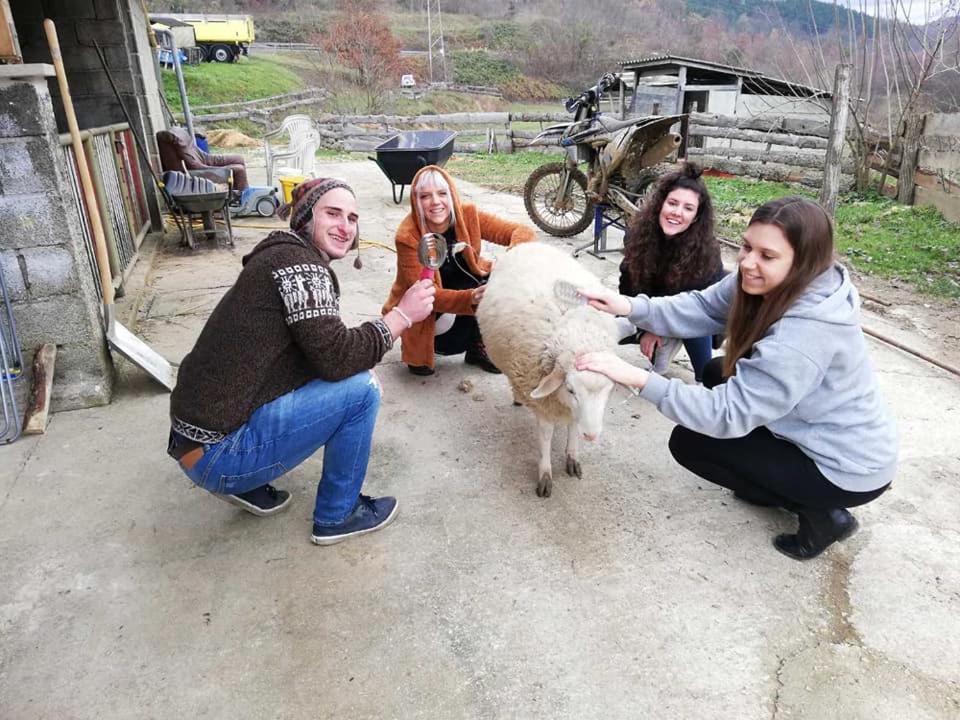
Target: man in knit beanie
{"points": [[275, 374]]}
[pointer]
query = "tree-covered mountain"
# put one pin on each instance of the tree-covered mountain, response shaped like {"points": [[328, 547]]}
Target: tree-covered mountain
{"points": [[798, 15]]}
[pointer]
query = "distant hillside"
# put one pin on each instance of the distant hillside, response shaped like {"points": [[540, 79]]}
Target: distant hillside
{"points": [[798, 15]]}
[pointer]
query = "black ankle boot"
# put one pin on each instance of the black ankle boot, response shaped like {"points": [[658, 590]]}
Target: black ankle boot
{"points": [[818, 530], [477, 355]]}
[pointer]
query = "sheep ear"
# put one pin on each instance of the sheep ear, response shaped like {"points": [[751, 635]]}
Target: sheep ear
{"points": [[549, 384]]}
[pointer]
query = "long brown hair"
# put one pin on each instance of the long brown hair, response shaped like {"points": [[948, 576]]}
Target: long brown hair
{"points": [[654, 264], [809, 231]]}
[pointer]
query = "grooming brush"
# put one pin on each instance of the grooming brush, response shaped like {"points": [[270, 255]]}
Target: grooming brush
{"points": [[431, 251], [567, 293]]}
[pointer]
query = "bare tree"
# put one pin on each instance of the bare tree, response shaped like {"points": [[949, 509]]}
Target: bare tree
{"points": [[361, 40], [894, 61]]}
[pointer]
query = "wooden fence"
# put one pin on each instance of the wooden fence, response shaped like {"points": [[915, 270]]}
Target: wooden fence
{"points": [[476, 132], [932, 155], [786, 148], [265, 111]]}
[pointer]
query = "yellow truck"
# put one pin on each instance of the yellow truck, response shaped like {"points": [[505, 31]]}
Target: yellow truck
{"points": [[222, 38]]}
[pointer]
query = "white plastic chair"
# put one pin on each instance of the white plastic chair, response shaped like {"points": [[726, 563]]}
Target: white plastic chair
{"points": [[297, 128]]}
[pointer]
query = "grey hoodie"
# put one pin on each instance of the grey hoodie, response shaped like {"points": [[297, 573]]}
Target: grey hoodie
{"points": [[808, 379]]}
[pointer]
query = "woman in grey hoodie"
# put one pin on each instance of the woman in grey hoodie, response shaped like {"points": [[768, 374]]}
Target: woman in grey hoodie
{"points": [[791, 416]]}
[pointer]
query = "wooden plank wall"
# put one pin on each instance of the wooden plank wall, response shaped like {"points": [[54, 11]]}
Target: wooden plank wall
{"points": [[937, 176]]}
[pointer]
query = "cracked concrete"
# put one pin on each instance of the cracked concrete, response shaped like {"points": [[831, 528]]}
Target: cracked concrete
{"points": [[638, 591]]}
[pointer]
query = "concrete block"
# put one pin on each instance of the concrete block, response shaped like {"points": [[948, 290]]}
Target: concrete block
{"points": [[25, 109], [94, 82], [97, 110], [61, 319], [105, 32], [106, 9], [49, 271], [84, 373], [26, 166], [32, 220], [84, 58], [62, 10], [942, 124], [13, 276], [24, 10]]}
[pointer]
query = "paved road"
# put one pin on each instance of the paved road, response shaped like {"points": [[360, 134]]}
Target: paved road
{"points": [[638, 591]]}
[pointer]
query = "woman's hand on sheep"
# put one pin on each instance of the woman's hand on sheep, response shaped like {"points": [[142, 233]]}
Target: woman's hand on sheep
{"points": [[618, 370], [607, 301]]}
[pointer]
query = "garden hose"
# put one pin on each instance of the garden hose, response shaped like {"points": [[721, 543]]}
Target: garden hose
{"points": [[198, 222]]}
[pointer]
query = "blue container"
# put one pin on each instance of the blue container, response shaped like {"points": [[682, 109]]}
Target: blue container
{"points": [[201, 141]]}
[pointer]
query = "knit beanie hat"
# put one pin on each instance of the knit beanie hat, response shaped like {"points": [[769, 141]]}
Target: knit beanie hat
{"points": [[304, 197]]}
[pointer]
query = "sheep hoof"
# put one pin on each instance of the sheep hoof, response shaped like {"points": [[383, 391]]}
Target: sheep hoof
{"points": [[573, 467], [545, 486]]}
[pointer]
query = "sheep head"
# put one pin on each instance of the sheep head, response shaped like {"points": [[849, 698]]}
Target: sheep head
{"points": [[584, 392]]}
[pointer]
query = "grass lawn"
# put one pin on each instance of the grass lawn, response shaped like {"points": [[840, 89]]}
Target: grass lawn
{"points": [[215, 83], [874, 234]]}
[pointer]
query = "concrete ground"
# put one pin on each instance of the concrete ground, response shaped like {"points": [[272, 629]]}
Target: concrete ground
{"points": [[638, 591]]}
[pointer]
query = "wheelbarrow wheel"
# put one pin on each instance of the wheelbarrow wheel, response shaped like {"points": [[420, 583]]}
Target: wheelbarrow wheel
{"points": [[266, 207], [559, 213]]}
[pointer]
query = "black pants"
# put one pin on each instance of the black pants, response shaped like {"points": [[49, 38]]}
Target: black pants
{"points": [[462, 336], [760, 466]]}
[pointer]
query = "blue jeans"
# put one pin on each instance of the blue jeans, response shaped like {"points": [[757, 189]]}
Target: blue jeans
{"points": [[699, 350], [337, 416]]}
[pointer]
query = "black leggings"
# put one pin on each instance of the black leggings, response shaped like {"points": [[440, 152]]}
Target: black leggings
{"points": [[463, 335], [760, 466]]}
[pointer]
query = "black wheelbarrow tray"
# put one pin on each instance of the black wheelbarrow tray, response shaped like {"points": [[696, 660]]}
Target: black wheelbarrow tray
{"points": [[402, 156], [192, 195]]}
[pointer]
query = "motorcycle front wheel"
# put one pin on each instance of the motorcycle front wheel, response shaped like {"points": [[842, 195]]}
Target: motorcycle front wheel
{"points": [[559, 216]]}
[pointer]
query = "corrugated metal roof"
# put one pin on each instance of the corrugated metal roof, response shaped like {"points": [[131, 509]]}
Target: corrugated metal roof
{"points": [[756, 79]]}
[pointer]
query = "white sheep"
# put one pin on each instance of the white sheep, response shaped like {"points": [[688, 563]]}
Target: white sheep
{"points": [[534, 337]]}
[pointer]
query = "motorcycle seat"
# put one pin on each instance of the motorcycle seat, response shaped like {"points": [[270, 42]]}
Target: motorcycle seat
{"points": [[612, 125]]}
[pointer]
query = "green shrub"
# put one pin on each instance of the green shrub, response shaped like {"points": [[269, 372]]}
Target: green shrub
{"points": [[477, 67]]}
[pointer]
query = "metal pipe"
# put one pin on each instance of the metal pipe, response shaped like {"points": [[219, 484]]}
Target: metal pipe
{"points": [[188, 118], [906, 349]]}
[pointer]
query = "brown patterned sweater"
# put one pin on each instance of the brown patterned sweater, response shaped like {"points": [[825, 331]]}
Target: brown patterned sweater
{"points": [[276, 329]]}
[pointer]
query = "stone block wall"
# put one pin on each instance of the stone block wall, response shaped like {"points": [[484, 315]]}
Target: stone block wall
{"points": [[119, 28], [43, 257]]}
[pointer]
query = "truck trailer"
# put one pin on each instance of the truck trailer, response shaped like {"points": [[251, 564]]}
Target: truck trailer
{"points": [[222, 38]]}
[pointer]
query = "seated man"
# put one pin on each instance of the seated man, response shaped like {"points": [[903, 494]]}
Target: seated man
{"points": [[275, 374], [178, 149]]}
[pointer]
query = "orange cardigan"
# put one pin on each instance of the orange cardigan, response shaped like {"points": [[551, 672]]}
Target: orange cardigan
{"points": [[472, 225]]}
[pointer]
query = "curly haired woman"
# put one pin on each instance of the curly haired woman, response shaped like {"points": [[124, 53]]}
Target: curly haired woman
{"points": [[669, 248]]}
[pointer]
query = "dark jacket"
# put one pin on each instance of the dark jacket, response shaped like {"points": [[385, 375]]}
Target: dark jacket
{"points": [[276, 329]]}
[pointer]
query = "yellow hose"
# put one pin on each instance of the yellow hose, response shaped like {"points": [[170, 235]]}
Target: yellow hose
{"points": [[198, 222]]}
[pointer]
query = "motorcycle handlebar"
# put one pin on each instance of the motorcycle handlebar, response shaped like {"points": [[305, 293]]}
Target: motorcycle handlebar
{"points": [[592, 94]]}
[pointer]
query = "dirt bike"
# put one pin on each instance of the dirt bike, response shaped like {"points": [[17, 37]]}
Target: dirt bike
{"points": [[620, 158]]}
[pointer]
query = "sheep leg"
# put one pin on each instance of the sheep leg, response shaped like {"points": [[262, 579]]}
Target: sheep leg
{"points": [[573, 450], [544, 468]]}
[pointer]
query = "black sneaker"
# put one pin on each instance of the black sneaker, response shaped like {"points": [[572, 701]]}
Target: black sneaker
{"points": [[477, 355], [262, 501], [368, 514], [422, 370]]}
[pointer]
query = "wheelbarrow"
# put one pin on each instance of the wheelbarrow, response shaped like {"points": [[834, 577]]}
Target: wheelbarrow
{"points": [[402, 156], [192, 195]]}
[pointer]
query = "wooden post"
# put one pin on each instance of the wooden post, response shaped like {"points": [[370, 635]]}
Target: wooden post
{"points": [[906, 188], [9, 43], [839, 113], [623, 105], [38, 410]]}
